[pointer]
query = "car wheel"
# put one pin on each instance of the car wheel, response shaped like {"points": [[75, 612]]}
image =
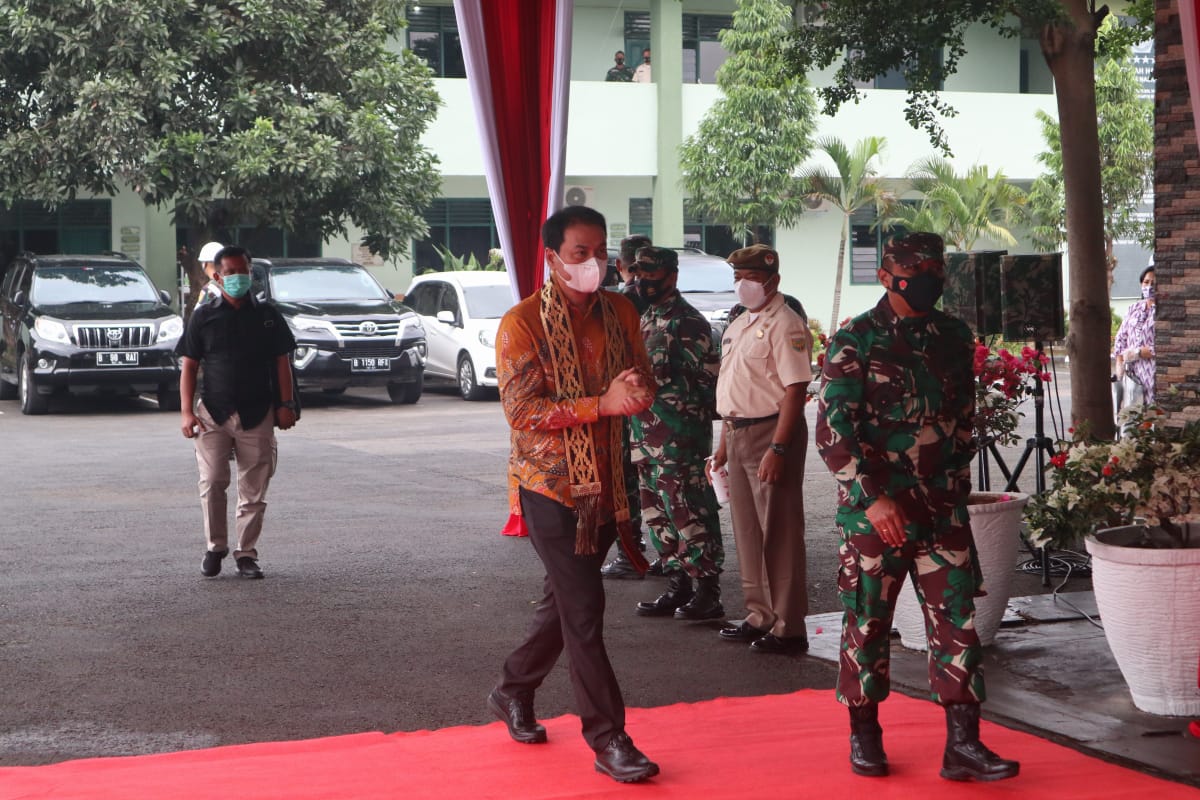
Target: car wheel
{"points": [[168, 398], [468, 385], [8, 391], [406, 393], [31, 401]]}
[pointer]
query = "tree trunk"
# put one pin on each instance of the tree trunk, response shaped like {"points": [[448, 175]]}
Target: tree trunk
{"points": [[837, 281], [1069, 48]]}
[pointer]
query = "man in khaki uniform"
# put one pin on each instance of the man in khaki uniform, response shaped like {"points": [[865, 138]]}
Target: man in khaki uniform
{"points": [[766, 366]]}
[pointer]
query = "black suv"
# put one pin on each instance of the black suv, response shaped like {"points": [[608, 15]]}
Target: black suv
{"points": [[349, 330], [85, 322]]}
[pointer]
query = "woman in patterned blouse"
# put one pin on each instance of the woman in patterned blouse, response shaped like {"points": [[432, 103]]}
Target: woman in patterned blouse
{"points": [[1134, 345]]}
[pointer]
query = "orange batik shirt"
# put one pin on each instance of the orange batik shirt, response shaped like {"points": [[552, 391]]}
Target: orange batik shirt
{"points": [[530, 397]]}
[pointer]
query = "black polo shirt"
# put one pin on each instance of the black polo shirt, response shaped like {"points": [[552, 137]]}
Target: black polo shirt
{"points": [[238, 348]]}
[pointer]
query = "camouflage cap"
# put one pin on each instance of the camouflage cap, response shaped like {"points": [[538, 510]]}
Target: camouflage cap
{"points": [[915, 250], [656, 258], [756, 256], [631, 244]]}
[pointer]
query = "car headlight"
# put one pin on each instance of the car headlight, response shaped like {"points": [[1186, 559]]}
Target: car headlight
{"points": [[410, 328], [303, 323], [487, 338], [51, 330], [171, 328]]}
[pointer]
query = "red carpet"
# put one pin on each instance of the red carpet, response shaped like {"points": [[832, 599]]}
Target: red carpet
{"points": [[786, 746]]}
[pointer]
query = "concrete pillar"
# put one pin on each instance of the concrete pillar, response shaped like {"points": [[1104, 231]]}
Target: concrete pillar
{"points": [[666, 58]]}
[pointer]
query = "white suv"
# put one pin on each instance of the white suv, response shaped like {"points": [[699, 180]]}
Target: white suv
{"points": [[461, 311]]}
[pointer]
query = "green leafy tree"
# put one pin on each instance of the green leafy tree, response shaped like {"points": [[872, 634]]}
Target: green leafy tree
{"points": [[739, 166], [1126, 130], [961, 208], [852, 185], [926, 43], [284, 113]]}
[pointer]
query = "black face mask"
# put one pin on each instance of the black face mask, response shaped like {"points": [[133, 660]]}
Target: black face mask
{"points": [[921, 291], [620, 61], [650, 290]]}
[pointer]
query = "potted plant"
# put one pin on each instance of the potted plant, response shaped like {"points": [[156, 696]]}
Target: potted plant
{"points": [[1135, 503], [1002, 382]]}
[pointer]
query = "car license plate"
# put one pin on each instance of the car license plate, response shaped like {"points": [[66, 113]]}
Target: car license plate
{"points": [[370, 364], [112, 359]]}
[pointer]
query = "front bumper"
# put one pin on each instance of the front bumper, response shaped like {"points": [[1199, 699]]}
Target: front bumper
{"points": [[67, 367], [317, 365]]}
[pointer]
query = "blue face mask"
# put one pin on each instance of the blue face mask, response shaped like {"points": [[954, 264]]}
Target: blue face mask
{"points": [[236, 285]]}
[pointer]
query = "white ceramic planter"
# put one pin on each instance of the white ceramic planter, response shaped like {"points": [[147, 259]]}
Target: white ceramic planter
{"points": [[1149, 603], [996, 527]]}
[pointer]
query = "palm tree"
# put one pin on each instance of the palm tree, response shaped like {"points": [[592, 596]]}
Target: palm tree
{"points": [[853, 184], [961, 208]]}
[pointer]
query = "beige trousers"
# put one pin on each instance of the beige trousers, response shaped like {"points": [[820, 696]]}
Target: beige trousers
{"points": [[768, 528], [256, 458]]}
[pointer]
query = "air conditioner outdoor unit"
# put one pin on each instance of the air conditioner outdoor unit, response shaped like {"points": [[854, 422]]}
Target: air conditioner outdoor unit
{"points": [[578, 195]]}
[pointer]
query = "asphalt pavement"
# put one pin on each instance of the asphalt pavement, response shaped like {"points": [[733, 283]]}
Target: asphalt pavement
{"points": [[389, 603]]}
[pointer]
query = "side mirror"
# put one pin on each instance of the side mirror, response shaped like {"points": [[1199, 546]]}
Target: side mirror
{"points": [[19, 299], [446, 317], [166, 298]]}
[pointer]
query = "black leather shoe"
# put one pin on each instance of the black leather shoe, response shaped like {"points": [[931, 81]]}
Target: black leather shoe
{"points": [[623, 762], [211, 567], [706, 603], [248, 567], [742, 632], [866, 742], [966, 758], [620, 568], [657, 570], [780, 645], [678, 592], [518, 715]]}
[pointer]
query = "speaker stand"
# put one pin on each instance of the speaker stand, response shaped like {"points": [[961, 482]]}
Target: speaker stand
{"points": [[1039, 446], [986, 454]]}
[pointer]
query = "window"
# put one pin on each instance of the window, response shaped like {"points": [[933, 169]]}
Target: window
{"points": [[433, 35], [702, 50], [79, 227], [865, 246], [262, 242], [1035, 72], [895, 79], [719, 240], [423, 299], [641, 216], [464, 226]]}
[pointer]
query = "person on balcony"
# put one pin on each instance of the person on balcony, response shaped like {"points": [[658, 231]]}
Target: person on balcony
{"points": [[619, 72]]}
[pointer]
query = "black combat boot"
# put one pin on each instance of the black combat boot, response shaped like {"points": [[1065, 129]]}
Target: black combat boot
{"points": [[866, 742], [679, 591], [706, 603], [966, 758]]}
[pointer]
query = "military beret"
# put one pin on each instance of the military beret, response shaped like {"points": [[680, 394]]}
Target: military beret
{"points": [[655, 258], [914, 249], [631, 244], [756, 256]]}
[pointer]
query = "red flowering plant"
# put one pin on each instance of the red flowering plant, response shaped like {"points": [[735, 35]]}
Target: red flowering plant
{"points": [[1002, 382], [1152, 472]]}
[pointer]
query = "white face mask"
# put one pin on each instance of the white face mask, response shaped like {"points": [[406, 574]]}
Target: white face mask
{"points": [[751, 294], [584, 276]]}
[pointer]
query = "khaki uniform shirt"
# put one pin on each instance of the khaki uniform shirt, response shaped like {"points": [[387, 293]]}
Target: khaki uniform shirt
{"points": [[762, 354]]}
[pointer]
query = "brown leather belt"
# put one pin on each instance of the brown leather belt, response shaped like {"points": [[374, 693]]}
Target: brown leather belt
{"points": [[746, 422]]}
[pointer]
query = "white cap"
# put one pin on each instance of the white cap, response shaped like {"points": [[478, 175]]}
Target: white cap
{"points": [[209, 251]]}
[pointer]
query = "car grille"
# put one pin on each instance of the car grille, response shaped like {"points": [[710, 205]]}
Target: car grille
{"points": [[384, 329], [104, 337], [370, 350]]}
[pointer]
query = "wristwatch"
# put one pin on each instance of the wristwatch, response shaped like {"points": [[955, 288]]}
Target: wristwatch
{"points": [[288, 404], [778, 449]]}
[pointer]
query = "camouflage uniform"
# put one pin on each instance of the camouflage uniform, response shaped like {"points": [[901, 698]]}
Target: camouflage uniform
{"points": [[896, 418], [670, 441], [619, 73]]}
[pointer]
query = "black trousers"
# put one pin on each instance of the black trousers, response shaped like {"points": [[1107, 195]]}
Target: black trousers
{"points": [[571, 615]]}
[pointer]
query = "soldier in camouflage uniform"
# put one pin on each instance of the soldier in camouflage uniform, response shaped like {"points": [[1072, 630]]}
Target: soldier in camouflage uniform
{"points": [[670, 441], [895, 426], [620, 566]]}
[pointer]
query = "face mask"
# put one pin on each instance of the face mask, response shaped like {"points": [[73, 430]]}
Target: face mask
{"points": [[650, 290], [236, 285], [751, 294], [584, 276], [646, 60], [1148, 292], [921, 291], [620, 61]]}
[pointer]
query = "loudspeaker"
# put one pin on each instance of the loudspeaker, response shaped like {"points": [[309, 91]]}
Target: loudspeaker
{"points": [[1031, 291], [973, 289]]}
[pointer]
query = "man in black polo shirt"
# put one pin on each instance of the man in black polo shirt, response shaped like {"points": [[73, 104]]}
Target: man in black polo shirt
{"points": [[245, 348]]}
